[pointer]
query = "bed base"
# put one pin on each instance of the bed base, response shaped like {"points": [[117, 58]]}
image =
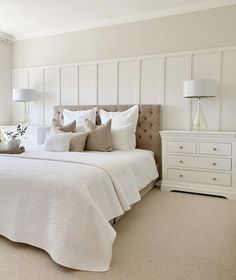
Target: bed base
{"points": [[143, 192]]}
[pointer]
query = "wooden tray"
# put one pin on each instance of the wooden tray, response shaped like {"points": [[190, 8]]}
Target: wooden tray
{"points": [[18, 151]]}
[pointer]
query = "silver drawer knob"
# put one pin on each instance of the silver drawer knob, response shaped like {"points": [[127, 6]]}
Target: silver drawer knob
{"points": [[214, 149], [214, 179], [181, 147], [181, 176], [214, 163], [180, 161]]}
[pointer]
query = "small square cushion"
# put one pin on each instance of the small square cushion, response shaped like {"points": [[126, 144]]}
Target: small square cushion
{"points": [[58, 142], [78, 141], [70, 127], [99, 138]]}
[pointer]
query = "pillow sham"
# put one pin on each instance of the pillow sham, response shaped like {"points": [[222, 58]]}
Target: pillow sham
{"points": [[78, 141], [123, 118], [58, 142], [80, 117], [122, 138], [99, 138]]}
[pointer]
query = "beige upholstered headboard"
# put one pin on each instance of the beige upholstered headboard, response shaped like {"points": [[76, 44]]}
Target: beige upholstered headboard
{"points": [[147, 134]]}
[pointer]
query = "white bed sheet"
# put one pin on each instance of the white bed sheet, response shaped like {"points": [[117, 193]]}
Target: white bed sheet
{"points": [[62, 202]]}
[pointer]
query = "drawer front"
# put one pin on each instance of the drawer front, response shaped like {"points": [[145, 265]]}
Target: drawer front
{"points": [[215, 149], [223, 164], [182, 147], [211, 178]]}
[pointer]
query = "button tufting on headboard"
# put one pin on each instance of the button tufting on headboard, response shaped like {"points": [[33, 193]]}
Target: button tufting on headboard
{"points": [[148, 127]]}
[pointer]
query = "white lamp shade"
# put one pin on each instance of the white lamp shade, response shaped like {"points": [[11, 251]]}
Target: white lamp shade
{"points": [[200, 88], [23, 94]]}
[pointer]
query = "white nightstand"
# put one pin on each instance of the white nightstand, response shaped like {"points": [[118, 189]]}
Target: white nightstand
{"points": [[199, 162], [28, 138]]}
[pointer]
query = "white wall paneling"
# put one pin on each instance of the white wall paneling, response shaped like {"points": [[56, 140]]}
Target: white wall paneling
{"points": [[88, 84], [175, 106], [36, 108], [69, 92], [52, 91], [152, 79], [107, 94], [228, 91], [127, 82], [19, 80]]}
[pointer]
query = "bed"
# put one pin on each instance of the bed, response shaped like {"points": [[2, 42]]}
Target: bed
{"points": [[63, 202]]}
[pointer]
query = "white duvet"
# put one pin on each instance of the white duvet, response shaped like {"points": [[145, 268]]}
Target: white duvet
{"points": [[63, 202]]}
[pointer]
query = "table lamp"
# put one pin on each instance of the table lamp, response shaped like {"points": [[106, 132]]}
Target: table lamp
{"points": [[24, 95], [199, 89]]}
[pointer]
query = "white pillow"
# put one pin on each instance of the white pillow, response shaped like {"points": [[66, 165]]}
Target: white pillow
{"points": [[80, 117], [122, 138], [58, 142], [120, 119]]}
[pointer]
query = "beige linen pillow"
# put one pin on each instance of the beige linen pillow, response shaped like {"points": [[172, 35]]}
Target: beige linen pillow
{"points": [[99, 138], [77, 142], [70, 127]]}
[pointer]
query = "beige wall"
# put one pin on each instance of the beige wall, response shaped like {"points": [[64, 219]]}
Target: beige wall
{"points": [[5, 82], [205, 29]]}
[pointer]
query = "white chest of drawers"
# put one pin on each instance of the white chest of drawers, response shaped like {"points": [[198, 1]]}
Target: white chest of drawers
{"points": [[199, 162]]}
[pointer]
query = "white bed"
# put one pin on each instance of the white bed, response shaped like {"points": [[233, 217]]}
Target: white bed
{"points": [[63, 202]]}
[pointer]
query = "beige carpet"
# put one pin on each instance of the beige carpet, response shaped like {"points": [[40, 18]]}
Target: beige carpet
{"points": [[166, 236]]}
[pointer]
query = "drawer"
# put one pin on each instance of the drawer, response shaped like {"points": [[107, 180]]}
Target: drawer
{"points": [[202, 177], [215, 149], [223, 164], [182, 147]]}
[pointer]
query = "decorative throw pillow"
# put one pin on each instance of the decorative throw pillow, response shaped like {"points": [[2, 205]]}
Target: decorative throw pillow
{"points": [[122, 138], [123, 118], [58, 142], [99, 138], [70, 127], [77, 142], [80, 117]]}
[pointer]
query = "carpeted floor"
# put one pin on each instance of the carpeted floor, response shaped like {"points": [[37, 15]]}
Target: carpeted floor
{"points": [[167, 236]]}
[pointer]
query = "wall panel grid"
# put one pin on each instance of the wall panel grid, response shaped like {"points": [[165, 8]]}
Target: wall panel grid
{"points": [[150, 79]]}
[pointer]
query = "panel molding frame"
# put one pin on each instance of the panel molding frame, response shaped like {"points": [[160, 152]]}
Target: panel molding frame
{"points": [[138, 60]]}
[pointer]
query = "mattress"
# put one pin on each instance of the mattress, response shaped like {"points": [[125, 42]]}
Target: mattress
{"points": [[63, 202]]}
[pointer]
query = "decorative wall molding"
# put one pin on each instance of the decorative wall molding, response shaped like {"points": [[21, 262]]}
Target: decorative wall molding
{"points": [[149, 79], [189, 8]]}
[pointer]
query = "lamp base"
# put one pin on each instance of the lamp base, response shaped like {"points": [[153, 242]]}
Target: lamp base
{"points": [[24, 120], [199, 121]]}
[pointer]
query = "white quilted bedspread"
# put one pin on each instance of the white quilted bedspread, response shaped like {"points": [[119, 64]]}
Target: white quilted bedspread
{"points": [[62, 202]]}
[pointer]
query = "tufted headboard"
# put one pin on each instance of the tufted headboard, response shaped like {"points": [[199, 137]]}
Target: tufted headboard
{"points": [[147, 134]]}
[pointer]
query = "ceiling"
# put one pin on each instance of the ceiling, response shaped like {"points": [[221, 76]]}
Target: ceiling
{"points": [[35, 18]]}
